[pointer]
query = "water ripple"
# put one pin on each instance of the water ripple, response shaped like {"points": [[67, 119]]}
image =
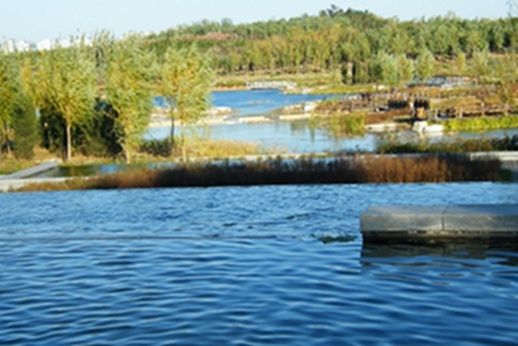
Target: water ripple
{"points": [[245, 266]]}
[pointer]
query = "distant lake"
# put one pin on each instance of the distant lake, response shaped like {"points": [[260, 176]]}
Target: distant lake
{"points": [[256, 102]]}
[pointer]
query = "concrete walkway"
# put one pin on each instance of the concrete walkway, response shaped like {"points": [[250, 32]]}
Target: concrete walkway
{"points": [[30, 172], [430, 224]]}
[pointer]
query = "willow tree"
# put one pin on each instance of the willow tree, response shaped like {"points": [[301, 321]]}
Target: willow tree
{"points": [[185, 79], [127, 88], [66, 77]]}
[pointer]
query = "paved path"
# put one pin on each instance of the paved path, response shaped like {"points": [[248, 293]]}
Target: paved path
{"points": [[31, 172]]}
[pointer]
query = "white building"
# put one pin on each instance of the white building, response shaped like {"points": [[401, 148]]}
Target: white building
{"points": [[45, 45], [23, 46], [9, 46]]}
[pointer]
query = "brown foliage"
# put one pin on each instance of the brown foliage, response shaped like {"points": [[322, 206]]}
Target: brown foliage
{"points": [[364, 169]]}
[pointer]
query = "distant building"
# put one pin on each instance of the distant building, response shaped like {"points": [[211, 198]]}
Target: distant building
{"points": [[13, 46], [23, 46], [45, 45], [9, 46]]}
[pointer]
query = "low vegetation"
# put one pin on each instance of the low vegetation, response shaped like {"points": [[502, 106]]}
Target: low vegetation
{"points": [[11, 165], [391, 146], [481, 123], [192, 147], [342, 125], [368, 169]]}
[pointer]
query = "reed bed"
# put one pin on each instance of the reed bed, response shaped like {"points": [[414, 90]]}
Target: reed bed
{"points": [[350, 170]]}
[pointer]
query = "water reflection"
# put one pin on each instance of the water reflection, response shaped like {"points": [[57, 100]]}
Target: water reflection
{"points": [[413, 255]]}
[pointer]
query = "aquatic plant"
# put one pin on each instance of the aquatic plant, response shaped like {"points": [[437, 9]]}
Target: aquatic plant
{"points": [[341, 124]]}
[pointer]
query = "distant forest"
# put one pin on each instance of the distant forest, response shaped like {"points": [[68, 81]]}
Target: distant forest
{"points": [[336, 37]]}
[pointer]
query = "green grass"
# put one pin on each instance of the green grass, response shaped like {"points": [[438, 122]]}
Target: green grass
{"points": [[481, 123], [457, 146], [11, 165], [340, 125], [191, 147]]}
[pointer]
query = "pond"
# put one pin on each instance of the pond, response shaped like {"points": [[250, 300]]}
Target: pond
{"points": [[296, 136], [299, 137], [245, 266]]}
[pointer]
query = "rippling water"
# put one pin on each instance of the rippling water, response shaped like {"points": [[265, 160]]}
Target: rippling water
{"points": [[245, 266]]}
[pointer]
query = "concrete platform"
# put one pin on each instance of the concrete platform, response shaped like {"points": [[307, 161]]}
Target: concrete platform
{"points": [[439, 224]]}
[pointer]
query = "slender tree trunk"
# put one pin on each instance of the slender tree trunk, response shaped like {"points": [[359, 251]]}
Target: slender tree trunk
{"points": [[171, 136], [7, 140], [69, 142], [127, 155]]}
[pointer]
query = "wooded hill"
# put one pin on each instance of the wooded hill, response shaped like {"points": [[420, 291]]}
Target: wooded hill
{"points": [[336, 37]]}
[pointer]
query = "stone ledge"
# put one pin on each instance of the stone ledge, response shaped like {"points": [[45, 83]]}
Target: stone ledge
{"points": [[416, 223]]}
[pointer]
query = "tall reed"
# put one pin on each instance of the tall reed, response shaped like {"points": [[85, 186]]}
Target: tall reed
{"points": [[361, 169]]}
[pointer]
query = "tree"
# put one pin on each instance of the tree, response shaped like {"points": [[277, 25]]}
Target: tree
{"points": [[127, 88], [460, 64], [67, 78], [9, 93], [185, 79], [481, 68], [385, 70], [425, 65], [405, 70], [506, 75]]}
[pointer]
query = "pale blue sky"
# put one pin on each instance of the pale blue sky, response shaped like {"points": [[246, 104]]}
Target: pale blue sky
{"points": [[38, 19]]}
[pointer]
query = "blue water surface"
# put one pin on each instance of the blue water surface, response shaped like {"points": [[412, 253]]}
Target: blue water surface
{"points": [[255, 102], [246, 266]]}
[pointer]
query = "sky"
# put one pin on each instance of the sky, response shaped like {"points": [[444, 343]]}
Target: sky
{"points": [[35, 20]]}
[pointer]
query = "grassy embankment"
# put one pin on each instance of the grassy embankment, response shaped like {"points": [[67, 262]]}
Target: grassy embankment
{"points": [[368, 169]]}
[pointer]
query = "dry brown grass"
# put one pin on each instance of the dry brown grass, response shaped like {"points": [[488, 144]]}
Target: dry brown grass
{"points": [[364, 169]]}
